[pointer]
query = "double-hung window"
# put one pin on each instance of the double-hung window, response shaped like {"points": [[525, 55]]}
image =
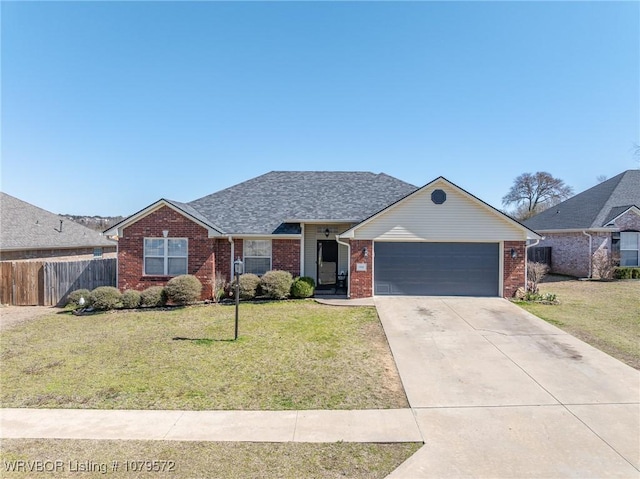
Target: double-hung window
{"points": [[257, 256], [629, 246], [165, 256]]}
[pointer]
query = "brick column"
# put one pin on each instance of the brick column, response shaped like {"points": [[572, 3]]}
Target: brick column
{"points": [[361, 282], [514, 268]]}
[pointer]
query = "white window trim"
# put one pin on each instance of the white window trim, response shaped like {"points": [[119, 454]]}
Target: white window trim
{"points": [[165, 257], [245, 256], [637, 246]]}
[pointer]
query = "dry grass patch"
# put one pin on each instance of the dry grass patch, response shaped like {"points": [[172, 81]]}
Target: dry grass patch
{"points": [[290, 355], [221, 460], [605, 314]]}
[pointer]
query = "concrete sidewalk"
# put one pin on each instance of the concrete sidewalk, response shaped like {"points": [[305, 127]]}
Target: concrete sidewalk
{"points": [[372, 425]]}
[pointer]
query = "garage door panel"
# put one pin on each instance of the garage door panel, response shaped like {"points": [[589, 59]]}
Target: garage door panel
{"points": [[436, 269]]}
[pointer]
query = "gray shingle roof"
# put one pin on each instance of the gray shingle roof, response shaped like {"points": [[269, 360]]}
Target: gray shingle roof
{"points": [[593, 208], [25, 226], [260, 205]]}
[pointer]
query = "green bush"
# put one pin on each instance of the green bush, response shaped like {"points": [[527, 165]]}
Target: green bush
{"points": [[248, 285], [131, 299], [309, 280], [153, 297], [276, 284], [183, 289], [626, 272], [73, 299], [105, 297], [301, 288]]}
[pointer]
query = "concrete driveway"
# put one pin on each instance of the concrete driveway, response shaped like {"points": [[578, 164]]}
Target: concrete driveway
{"points": [[499, 393]]}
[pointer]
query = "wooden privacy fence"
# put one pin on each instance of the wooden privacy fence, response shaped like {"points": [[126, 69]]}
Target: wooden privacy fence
{"points": [[47, 283]]}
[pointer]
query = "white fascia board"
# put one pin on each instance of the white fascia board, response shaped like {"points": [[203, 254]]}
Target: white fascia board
{"points": [[263, 236], [321, 221], [117, 229], [578, 230]]}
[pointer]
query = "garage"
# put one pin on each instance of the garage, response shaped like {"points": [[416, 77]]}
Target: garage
{"points": [[436, 269]]}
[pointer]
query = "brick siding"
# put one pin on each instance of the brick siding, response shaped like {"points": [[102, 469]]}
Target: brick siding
{"points": [[361, 282], [285, 254], [513, 275], [201, 253]]}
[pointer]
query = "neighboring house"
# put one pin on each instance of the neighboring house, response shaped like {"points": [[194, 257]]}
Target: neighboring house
{"points": [[29, 232], [385, 235], [599, 224]]}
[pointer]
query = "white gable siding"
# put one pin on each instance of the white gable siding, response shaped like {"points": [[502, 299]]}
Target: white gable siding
{"points": [[460, 218]]}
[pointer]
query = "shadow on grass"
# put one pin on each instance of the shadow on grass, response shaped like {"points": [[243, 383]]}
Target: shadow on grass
{"points": [[204, 340]]}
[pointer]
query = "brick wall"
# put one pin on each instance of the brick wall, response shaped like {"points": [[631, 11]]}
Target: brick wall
{"points": [[570, 253], [630, 221], [285, 255], [514, 268], [201, 259], [361, 282]]}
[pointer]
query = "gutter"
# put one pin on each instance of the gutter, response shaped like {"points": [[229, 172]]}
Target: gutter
{"points": [[590, 254], [348, 245], [230, 238]]}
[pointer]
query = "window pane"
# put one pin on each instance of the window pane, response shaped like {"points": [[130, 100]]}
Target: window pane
{"points": [[629, 240], [257, 266], [154, 247], [257, 248], [177, 266], [177, 247], [154, 266], [628, 258]]}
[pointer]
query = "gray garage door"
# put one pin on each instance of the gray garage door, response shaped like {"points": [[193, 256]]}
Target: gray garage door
{"points": [[436, 269]]}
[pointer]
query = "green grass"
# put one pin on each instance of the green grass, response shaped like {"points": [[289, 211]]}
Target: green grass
{"points": [[290, 355], [222, 460], [605, 314]]}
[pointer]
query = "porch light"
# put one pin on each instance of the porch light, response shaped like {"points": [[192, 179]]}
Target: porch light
{"points": [[514, 253], [365, 252], [326, 232]]}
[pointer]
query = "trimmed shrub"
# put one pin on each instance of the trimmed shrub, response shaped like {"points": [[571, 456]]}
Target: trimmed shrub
{"points": [[131, 299], [276, 284], [106, 297], [309, 280], [73, 299], [301, 289], [248, 285], [626, 272], [183, 289], [153, 297]]}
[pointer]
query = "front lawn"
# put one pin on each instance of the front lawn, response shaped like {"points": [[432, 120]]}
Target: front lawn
{"points": [[605, 314], [222, 460], [290, 355]]}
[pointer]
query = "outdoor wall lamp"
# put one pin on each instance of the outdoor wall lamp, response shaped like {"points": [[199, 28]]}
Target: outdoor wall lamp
{"points": [[365, 252], [326, 232], [514, 253]]}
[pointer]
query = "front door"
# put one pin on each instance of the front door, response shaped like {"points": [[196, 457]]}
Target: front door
{"points": [[327, 264]]}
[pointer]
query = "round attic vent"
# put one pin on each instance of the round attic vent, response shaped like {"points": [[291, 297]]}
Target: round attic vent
{"points": [[438, 197]]}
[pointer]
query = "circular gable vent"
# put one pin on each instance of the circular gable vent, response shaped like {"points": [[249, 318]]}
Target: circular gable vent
{"points": [[438, 197]]}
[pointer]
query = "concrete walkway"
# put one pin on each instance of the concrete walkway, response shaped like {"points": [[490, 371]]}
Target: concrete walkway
{"points": [[375, 425], [499, 393]]}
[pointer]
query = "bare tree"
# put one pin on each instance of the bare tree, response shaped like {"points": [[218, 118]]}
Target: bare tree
{"points": [[532, 193], [601, 178]]}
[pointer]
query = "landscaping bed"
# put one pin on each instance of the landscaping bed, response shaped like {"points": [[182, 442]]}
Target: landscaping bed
{"points": [[605, 314], [290, 355]]}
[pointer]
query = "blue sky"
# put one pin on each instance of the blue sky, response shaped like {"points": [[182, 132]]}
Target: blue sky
{"points": [[107, 107]]}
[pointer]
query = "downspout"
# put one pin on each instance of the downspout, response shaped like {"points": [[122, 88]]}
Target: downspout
{"points": [[526, 262], [590, 253], [230, 238], [348, 245]]}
